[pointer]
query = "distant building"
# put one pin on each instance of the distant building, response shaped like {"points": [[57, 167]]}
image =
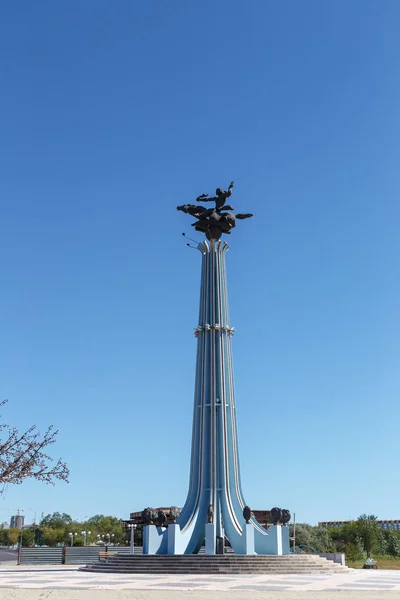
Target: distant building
{"points": [[4, 525], [388, 524], [263, 517], [17, 521]]}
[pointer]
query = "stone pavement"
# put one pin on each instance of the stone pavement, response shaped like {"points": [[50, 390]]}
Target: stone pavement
{"points": [[368, 584], [25, 594]]}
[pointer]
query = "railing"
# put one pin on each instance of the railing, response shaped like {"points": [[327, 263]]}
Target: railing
{"points": [[40, 556], [79, 555], [75, 555]]}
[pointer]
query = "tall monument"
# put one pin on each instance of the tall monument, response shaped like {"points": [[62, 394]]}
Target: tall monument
{"points": [[215, 506]]}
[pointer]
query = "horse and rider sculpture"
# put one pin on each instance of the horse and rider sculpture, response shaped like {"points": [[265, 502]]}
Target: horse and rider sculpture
{"points": [[217, 220]]}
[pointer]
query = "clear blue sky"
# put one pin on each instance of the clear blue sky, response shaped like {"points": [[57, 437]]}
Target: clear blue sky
{"points": [[112, 113]]}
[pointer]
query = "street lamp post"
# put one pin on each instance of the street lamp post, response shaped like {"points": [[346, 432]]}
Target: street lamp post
{"points": [[71, 537], [132, 528], [34, 525], [85, 533], [34, 515], [105, 538]]}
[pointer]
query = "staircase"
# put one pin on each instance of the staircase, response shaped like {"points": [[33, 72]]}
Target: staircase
{"points": [[191, 564]]}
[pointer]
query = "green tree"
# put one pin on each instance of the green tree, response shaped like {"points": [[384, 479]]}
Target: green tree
{"points": [[354, 551], [96, 520], [381, 546], [392, 542], [368, 531], [314, 537], [51, 536], [303, 533], [56, 520], [343, 535], [4, 539], [78, 541], [28, 537], [321, 539], [14, 535], [360, 546], [101, 525]]}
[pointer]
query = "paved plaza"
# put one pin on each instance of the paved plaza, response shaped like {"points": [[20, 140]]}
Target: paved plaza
{"points": [[29, 582]]}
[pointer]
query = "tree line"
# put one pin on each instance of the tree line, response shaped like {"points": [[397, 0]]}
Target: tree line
{"points": [[358, 539], [54, 529]]}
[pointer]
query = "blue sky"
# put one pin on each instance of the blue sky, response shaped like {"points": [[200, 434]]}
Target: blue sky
{"points": [[114, 113]]}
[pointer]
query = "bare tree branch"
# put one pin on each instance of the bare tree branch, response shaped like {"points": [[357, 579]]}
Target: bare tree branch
{"points": [[22, 456]]}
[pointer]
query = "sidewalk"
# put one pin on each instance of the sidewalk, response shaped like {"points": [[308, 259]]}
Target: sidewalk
{"points": [[67, 581], [189, 595]]}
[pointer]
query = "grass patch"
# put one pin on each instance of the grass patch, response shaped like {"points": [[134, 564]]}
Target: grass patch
{"points": [[382, 562]]}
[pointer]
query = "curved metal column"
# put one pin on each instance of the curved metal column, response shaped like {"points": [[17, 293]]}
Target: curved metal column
{"points": [[214, 472]]}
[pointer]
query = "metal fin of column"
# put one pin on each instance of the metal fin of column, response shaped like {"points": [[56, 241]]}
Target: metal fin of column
{"points": [[214, 470]]}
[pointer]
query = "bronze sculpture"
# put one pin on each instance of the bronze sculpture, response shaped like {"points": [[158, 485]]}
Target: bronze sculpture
{"points": [[219, 199], [210, 514], [149, 515], [174, 513], [161, 518], [247, 514], [276, 515], [280, 515], [285, 516], [214, 221]]}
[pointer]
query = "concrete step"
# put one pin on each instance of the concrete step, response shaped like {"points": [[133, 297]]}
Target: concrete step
{"points": [[200, 565], [213, 571], [185, 559], [201, 559], [221, 566], [205, 564], [207, 569]]}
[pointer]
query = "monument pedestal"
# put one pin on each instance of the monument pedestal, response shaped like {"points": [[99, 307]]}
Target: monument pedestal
{"points": [[176, 541], [275, 538], [248, 533], [211, 538], [154, 540]]}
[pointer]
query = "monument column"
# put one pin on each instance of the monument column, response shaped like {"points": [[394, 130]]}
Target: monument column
{"points": [[215, 493], [215, 499]]}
